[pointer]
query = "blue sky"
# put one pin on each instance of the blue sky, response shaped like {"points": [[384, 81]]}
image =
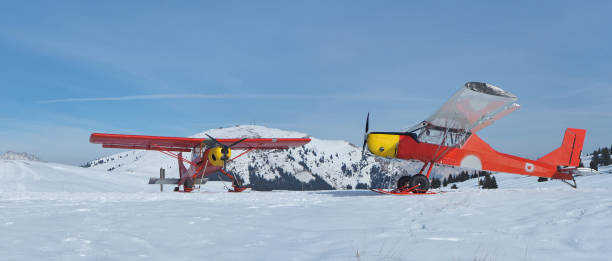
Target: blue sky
{"points": [[177, 68]]}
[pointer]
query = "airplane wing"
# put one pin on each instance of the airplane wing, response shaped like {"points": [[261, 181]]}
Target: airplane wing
{"points": [[266, 143], [140, 142], [474, 107]]}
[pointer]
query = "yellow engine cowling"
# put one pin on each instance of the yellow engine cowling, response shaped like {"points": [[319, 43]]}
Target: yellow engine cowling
{"points": [[215, 156], [382, 144]]}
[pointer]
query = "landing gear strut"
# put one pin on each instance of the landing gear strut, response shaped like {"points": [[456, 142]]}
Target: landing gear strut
{"points": [[417, 184]]}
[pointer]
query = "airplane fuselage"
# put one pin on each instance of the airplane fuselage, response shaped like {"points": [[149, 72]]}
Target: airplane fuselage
{"points": [[474, 154]]}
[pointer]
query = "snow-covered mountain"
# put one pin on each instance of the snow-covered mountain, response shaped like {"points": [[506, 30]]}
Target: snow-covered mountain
{"points": [[11, 155], [321, 164]]}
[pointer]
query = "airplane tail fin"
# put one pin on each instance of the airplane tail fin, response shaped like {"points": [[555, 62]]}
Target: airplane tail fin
{"points": [[182, 169], [569, 152]]}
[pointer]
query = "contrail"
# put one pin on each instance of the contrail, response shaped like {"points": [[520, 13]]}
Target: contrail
{"points": [[182, 96], [351, 97]]}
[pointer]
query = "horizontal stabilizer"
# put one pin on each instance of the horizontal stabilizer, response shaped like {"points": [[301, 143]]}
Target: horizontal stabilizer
{"points": [[174, 181]]}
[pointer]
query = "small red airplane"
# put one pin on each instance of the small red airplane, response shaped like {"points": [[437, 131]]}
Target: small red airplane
{"points": [[208, 156], [449, 137]]}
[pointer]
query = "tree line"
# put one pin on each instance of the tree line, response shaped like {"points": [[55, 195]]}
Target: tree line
{"points": [[487, 182], [600, 157]]}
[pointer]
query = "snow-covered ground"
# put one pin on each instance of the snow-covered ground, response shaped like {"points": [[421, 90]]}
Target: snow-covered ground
{"points": [[57, 212]]}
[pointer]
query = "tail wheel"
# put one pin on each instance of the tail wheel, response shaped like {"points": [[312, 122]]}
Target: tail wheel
{"points": [[421, 181], [403, 182]]}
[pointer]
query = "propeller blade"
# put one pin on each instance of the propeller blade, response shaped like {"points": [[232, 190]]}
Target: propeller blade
{"points": [[364, 144], [213, 139], [367, 123], [236, 143], [365, 135]]}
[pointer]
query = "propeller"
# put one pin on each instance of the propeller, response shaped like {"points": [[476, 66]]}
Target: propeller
{"points": [[365, 135], [225, 148], [225, 157]]}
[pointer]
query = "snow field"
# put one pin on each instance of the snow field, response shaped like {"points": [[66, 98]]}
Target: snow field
{"points": [[119, 217]]}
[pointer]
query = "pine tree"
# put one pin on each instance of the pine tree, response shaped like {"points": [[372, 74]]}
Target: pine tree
{"points": [[605, 157], [435, 183], [493, 183], [594, 161], [489, 182]]}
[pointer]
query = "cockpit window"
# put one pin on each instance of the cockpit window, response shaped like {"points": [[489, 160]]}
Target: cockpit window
{"points": [[436, 136]]}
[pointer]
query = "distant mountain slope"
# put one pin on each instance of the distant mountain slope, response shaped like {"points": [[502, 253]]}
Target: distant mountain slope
{"points": [[321, 164], [11, 155], [34, 176]]}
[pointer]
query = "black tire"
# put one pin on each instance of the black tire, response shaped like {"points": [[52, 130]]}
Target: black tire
{"points": [[421, 181], [188, 183], [403, 181]]}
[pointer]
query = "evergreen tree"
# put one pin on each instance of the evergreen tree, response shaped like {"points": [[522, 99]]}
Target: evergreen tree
{"points": [[451, 179], [489, 182], [435, 183], [493, 183], [594, 161], [604, 157]]}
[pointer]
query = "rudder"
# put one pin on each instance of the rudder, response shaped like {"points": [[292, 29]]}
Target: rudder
{"points": [[569, 152]]}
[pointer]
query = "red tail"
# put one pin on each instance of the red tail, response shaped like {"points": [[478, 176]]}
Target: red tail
{"points": [[569, 152]]}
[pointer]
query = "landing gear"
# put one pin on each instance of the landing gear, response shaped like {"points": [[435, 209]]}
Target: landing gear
{"points": [[403, 182], [188, 185], [419, 183]]}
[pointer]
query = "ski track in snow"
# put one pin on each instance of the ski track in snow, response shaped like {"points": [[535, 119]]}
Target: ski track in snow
{"points": [[56, 212]]}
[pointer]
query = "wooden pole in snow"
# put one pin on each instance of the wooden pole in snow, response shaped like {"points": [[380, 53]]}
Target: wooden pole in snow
{"points": [[162, 175]]}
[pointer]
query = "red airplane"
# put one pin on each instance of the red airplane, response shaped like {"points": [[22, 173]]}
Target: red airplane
{"points": [[208, 156], [449, 137]]}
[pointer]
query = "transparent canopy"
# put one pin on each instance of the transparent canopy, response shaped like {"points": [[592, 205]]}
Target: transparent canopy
{"points": [[472, 108]]}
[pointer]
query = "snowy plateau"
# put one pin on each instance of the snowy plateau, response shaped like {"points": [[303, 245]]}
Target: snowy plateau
{"points": [[51, 211]]}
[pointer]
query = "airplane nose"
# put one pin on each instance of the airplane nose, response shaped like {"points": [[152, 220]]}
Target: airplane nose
{"points": [[383, 144]]}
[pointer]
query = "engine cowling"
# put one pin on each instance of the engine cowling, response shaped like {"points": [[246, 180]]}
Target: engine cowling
{"points": [[382, 144], [216, 155]]}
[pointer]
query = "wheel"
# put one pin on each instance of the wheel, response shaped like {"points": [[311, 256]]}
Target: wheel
{"points": [[421, 181], [403, 182]]}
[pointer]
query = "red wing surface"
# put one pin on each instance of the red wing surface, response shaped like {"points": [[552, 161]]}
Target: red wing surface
{"points": [[266, 143], [139, 142], [474, 107]]}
